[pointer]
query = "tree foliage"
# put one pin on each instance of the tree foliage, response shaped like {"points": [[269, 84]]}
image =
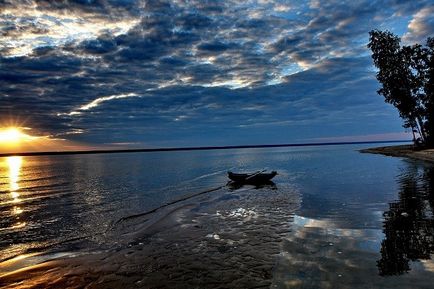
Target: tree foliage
{"points": [[407, 77]]}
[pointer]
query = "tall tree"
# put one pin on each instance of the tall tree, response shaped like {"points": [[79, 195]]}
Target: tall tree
{"points": [[429, 90], [406, 74]]}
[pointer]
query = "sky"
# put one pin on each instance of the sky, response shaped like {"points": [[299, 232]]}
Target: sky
{"points": [[136, 73]]}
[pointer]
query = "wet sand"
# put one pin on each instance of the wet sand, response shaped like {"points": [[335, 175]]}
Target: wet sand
{"points": [[227, 239], [406, 151]]}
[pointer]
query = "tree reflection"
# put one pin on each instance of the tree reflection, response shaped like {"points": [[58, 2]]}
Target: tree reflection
{"points": [[409, 224]]}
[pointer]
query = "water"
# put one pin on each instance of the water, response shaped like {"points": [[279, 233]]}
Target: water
{"points": [[336, 218]]}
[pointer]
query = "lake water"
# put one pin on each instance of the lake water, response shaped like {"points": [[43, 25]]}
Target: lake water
{"points": [[335, 218]]}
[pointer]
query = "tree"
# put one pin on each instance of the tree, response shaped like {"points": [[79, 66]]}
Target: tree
{"points": [[407, 77], [429, 90]]}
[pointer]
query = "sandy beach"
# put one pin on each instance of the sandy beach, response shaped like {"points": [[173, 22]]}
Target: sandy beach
{"points": [[406, 151]]}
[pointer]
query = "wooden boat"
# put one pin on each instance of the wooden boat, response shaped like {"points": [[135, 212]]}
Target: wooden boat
{"points": [[252, 178]]}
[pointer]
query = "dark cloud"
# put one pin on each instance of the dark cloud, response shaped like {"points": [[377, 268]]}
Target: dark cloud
{"points": [[101, 45], [216, 46], [110, 8]]}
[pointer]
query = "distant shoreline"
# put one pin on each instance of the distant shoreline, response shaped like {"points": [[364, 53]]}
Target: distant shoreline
{"points": [[405, 151], [48, 153]]}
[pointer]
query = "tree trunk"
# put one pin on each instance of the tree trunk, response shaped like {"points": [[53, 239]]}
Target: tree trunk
{"points": [[421, 129], [430, 132]]}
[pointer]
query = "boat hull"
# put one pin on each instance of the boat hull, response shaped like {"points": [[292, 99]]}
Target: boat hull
{"points": [[254, 178]]}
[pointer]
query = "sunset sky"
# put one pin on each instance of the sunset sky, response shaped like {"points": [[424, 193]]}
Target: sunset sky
{"points": [[189, 73]]}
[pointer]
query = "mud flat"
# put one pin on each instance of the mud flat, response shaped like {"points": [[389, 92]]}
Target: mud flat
{"points": [[406, 151], [229, 239]]}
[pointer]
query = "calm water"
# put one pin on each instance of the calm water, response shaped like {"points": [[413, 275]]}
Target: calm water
{"points": [[351, 218]]}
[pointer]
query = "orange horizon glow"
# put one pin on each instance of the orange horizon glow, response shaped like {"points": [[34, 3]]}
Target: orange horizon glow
{"points": [[13, 135], [17, 139], [13, 139]]}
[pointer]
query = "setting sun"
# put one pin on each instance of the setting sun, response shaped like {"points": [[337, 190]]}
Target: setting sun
{"points": [[23, 139], [13, 135]]}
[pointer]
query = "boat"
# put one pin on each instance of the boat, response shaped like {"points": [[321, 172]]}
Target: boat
{"points": [[252, 178]]}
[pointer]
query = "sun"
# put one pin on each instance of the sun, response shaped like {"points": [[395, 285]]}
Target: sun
{"points": [[13, 135]]}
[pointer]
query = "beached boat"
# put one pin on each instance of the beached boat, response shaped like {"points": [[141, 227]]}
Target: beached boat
{"points": [[252, 178]]}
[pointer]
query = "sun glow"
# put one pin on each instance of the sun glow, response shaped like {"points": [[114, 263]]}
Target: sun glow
{"points": [[13, 135], [20, 139]]}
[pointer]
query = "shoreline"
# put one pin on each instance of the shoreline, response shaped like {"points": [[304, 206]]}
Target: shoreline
{"points": [[405, 151]]}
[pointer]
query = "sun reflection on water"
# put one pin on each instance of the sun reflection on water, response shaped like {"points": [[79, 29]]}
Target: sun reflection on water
{"points": [[14, 164]]}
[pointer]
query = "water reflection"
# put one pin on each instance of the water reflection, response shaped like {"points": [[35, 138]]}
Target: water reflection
{"points": [[14, 164], [236, 186], [409, 223]]}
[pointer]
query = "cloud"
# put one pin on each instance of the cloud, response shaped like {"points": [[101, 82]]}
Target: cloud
{"points": [[26, 25], [192, 71], [393, 136], [421, 26], [97, 102]]}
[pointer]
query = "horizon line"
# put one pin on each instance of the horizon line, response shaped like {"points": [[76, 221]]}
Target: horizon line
{"points": [[170, 149]]}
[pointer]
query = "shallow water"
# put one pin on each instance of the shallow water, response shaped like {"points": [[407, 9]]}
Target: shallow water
{"points": [[336, 218]]}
